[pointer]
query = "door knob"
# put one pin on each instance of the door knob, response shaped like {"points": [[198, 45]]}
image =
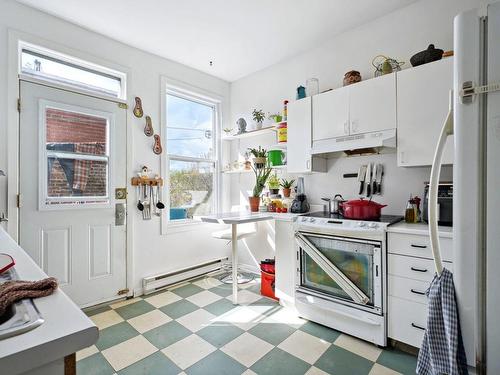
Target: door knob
{"points": [[3, 219]]}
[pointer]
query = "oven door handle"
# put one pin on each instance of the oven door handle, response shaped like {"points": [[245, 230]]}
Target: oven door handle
{"points": [[331, 270]]}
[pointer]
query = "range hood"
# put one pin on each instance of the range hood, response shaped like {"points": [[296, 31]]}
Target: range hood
{"points": [[384, 138]]}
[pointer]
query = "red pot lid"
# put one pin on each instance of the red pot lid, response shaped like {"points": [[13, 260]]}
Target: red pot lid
{"points": [[363, 203]]}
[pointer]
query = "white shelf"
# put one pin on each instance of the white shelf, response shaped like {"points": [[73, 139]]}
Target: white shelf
{"points": [[251, 133], [278, 146]]}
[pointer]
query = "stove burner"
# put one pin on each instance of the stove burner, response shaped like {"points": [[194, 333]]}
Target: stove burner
{"points": [[389, 219]]}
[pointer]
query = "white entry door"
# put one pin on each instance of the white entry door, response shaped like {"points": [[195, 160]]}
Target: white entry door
{"points": [[72, 158]]}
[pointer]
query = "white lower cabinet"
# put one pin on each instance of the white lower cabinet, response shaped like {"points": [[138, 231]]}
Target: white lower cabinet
{"points": [[410, 272], [286, 264]]}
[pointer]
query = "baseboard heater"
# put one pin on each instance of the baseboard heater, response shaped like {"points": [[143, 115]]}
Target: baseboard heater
{"points": [[153, 283]]}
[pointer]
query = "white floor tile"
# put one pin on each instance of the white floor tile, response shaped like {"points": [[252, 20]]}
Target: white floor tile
{"points": [[359, 347], [196, 320], [249, 372], [207, 283], [247, 349], [245, 297], [285, 316], [128, 352], [304, 346], [163, 299], [204, 298], [150, 320], [87, 352], [188, 351], [382, 370], [106, 319], [124, 302], [315, 371], [241, 316]]}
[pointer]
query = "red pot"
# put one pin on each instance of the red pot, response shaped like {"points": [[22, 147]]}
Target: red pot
{"points": [[361, 209]]}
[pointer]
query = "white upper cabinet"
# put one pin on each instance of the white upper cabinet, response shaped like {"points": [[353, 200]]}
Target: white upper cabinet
{"points": [[331, 114], [423, 95], [299, 134], [372, 105]]}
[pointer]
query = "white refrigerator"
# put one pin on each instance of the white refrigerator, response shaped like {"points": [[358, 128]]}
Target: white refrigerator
{"points": [[476, 184]]}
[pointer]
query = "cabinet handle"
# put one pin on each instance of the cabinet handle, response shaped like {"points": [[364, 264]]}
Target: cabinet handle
{"points": [[419, 246], [308, 164], [418, 269], [417, 292], [417, 327]]}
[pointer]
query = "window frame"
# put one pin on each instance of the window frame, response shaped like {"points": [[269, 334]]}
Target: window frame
{"points": [[76, 63], [184, 91]]}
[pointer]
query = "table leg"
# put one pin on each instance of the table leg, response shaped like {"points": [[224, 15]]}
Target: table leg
{"points": [[234, 249]]}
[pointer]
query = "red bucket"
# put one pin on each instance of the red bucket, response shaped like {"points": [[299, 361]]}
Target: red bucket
{"points": [[267, 284]]}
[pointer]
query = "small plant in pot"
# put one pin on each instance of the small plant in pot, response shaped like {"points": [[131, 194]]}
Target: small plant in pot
{"points": [[258, 116], [259, 157], [287, 187], [273, 184], [275, 117], [261, 176]]}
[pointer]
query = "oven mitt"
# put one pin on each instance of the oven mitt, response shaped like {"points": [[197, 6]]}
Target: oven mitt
{"points": [[15, 290]]}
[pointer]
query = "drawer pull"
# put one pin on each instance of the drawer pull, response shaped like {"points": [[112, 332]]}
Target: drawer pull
{"points": [[417, 292], [418, 269], [417, 327], [419, 246]]}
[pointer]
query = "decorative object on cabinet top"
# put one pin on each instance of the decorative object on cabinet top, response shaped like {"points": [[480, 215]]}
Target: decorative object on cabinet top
{"points": [[138, 112], [426, 56], [385, 65], [352, 76]]}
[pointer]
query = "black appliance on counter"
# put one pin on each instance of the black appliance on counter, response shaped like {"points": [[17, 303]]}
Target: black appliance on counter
{"points": [[300, 205], [445, 204]]}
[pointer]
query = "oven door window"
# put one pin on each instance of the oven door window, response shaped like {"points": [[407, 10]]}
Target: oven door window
{"points": [[353, 259]]}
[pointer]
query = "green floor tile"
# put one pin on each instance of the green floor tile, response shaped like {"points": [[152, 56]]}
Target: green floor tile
{"points": [[265, 301], [177, 309], [187, 290], [318, 330], [273, 333], [115, 334], [96, 364], [155, 364], [166, 334], [222, 290], [398, 361], [339, 361], [278, 361], [254, 288], [96, 310], [134, 309], [220, 335], [216, 363], [220, 307]]}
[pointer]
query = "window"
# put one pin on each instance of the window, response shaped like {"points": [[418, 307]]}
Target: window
{"points": [[75, 154], [192, 157], [55, 67]]}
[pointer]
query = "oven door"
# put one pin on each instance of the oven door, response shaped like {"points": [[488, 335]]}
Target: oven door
{"points": [[341, 269]]}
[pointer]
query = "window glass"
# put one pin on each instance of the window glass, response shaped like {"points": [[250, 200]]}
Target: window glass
{"points": [[57, 69], [189, 128], [191, 189]]}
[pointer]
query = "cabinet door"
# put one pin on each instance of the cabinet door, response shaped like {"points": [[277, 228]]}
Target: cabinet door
{"points": [[286, 255], [330, 114], [372, 105], [422, 102], [299, 136]]}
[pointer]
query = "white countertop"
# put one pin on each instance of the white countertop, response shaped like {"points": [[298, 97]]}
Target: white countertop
{"points": [[243, 217], [419, 228], [66, 328]]}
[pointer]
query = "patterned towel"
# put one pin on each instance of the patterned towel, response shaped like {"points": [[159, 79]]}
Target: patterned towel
{"points": [[82, 167], [15, 290], [442, 350]]}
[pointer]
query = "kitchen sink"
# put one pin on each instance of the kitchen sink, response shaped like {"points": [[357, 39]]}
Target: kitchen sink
{"points": [[20, 317]]}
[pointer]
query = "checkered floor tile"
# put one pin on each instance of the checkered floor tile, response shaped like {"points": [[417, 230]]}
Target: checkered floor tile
{"points": [[195, 329]]}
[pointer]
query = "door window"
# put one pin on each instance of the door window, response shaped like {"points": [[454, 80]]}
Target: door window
{"points": [[75, 156]]}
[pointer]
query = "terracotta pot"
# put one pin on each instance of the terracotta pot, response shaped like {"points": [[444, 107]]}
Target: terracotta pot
{"points": [[360, 209], [254, 203], [286, 192]]}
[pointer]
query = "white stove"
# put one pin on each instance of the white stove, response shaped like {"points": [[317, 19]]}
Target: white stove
{"points": [[341, 273]]}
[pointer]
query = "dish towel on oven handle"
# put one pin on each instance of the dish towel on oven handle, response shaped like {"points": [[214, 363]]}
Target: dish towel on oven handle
{"points": [[442, 350]]}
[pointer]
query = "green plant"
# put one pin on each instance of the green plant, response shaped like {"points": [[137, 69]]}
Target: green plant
{"points": [[273, 182], [285, 184], [261, 176], [258, 115], [276, 117], [227, 130], [258, 153]]}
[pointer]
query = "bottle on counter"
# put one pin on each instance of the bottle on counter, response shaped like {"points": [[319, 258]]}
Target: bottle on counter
{"points": [[411, 212]]}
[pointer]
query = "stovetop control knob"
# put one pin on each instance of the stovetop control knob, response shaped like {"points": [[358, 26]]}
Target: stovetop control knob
{"points": [[312, 220], [373, 225], [361, 224]]}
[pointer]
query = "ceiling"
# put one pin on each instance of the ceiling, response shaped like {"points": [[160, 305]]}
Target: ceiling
{"points": [[239, 36]]}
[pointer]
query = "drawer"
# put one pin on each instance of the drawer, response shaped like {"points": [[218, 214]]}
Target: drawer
{"points": [[418, 246], [406, 321], [413, 268], [408, 289]]}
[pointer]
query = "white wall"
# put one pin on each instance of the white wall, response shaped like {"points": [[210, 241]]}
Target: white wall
{"points": [[399, 35], [153, 252]]}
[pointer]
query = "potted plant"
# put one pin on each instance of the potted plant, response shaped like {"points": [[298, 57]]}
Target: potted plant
{"points": [[276, 117], [273, 184], [287, 187], [260, 156], [258, 116], [261, 176], [227, 131]]}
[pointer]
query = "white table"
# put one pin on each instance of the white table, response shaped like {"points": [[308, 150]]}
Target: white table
{"points": [[235, 218]]}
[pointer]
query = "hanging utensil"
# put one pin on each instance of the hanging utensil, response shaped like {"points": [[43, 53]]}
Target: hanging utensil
{"points": [[380, 173], [146, 214], [159, 203], [374, 179], [361, 178], [368, 180], [140, 206]]}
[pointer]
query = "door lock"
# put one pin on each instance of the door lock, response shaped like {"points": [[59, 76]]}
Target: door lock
{"points": [[120, 214]]}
